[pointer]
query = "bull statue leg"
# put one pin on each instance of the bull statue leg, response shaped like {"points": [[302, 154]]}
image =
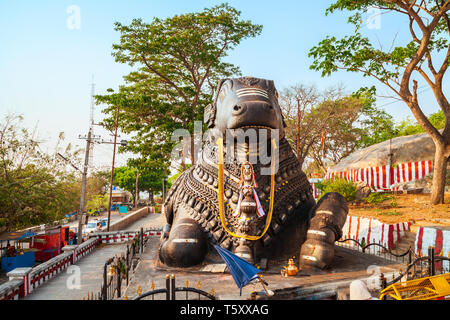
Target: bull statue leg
{"points": [[184, 244], [325, 228]]}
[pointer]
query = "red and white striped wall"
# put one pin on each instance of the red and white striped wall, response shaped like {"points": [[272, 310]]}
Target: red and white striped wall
{"points": [[385, 177], [124, 236], [374, 231], [315, 191], [439, 239]]}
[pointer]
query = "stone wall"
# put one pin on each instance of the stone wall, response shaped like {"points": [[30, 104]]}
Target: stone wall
{"points": [[129, 219]]}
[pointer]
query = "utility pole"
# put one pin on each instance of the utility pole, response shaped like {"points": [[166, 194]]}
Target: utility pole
{"points": [[83, 187], [298, 129], [91, 119], [112, 168], [137, 190]]}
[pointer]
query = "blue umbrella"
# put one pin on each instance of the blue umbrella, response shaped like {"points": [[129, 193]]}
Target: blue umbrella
{"points": [[242, 271]]}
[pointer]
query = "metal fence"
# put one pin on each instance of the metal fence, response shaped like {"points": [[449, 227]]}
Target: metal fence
{"points": [[377, 249], [420, 265], [170, 292], [426, 266]]}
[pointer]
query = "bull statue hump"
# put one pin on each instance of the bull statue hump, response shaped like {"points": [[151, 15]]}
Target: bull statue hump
{"points": [[192, 207]]}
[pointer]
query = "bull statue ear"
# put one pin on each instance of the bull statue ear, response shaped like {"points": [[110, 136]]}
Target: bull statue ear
{"points": [[209, 116]]}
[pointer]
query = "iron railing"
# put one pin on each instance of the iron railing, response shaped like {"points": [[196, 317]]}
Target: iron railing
{"points": [[171, 289], [377, 249], [426, 266]]}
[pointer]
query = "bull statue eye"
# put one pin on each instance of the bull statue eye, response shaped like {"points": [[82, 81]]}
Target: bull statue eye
{"points": [[237, 108]]}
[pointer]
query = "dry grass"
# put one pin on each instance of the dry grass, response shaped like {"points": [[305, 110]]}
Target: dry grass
{"points": [[406, 207]]}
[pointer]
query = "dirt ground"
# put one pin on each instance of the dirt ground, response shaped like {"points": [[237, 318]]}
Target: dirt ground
{"points": [[406, 207]]}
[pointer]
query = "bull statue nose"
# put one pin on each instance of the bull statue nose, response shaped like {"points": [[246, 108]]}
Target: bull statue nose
{"points": [[239, 109], [252, 107]]}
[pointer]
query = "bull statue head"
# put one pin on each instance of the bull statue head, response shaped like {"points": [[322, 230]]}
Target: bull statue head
{"points": [[244, 103]]}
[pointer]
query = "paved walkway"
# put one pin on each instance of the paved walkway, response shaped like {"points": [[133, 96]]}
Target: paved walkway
{"points": [[91, 272], [91, 269]]}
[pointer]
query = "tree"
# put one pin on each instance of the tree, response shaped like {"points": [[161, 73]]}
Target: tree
{"points": [[400, 67], [149, 178], [329, 125], [35, 187], [98, 202], [178, 62], [296, 102]]}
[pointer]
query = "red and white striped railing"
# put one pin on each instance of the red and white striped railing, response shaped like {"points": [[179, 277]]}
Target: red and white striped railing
{"points": [[22, 281], [124, 236], [11, 290]]}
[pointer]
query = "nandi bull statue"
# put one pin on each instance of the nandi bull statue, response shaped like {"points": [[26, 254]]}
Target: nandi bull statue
{"points": [[257, 209]]}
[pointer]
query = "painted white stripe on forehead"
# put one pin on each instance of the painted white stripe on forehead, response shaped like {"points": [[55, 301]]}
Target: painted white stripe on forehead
{"points": [[252, 92]]}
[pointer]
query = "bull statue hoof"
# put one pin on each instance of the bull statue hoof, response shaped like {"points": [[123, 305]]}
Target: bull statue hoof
{"points": [[325, 228]]}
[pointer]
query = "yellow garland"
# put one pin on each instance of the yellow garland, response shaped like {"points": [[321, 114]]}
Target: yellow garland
{"points": [[220, 193]]}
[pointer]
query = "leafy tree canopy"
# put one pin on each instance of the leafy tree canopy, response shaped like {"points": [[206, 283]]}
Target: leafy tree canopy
{"points": [[177, 63]]}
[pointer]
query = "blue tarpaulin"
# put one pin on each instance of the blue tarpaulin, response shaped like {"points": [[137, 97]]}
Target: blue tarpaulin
{"points": [[71, 214], [123, 209], [16, 236], [242, 271]]}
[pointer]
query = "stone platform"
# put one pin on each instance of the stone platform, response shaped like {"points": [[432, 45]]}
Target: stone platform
{"points": [[213, 275]]}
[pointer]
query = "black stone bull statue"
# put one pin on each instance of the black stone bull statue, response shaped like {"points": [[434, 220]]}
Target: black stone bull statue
{"points": [[251, 223]]}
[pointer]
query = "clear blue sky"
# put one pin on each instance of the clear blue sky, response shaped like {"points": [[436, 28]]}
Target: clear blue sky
{"points": [[46, 67]]}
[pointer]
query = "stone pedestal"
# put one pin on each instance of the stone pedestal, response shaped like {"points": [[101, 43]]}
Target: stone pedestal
{"points": [[21, 274], [71, 249]]}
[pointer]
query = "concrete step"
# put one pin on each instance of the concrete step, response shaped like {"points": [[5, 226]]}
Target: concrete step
{"points": [[407, 240]]}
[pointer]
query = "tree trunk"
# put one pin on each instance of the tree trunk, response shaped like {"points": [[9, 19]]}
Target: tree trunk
{"points": [[192, 149], [439, 175], [150, 197], [136, 198], [183, 164]]}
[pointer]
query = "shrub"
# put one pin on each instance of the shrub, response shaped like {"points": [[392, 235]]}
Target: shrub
{"points": [[375, 198], [346, 188], [390, 213]]}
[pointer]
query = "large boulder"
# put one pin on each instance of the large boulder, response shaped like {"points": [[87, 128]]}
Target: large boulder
{"points": [[418, 147]]}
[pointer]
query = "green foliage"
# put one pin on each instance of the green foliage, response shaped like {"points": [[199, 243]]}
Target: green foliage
{"points": [[376, 198], [393, 67], [35, 187], [409, 126], [150, 178], [346, 188], [390, 213], [98, 202]]}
